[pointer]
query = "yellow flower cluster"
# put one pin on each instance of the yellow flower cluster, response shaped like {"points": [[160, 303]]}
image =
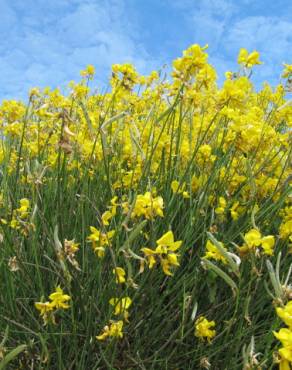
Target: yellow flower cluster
{"points": [[145, 205], [58, 300], [253, 239], [177, 189], [20, 218], [100, 240], [284, 335], [114, 330], [285, 229], [248, 60], [213, 253], [164, 253], [204, 328], [122, 167]]}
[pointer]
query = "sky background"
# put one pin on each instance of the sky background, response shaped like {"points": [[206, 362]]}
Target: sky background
{"points": [[47, 42]]}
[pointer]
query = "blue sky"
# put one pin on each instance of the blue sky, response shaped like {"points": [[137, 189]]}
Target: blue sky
{"points": [[47, 42]]}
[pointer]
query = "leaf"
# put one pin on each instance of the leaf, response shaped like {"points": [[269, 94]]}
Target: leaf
{"points": [[222, 274], [11, 355], [233, 265], [4, 337], [133, 235]]}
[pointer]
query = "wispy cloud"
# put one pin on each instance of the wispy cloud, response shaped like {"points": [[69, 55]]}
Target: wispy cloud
{"points": [[48, 48], [228, 25], [47, 42]]}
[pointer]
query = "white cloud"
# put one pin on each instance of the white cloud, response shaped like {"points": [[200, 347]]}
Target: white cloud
{"points": [[47, 42], [228, 26], [270, 34], [48, 48]]}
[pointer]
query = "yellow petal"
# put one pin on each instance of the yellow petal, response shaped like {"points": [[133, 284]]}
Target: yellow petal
{"points": [[166, 239]]}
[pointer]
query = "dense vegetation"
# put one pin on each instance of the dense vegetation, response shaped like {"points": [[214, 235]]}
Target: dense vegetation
{"points": [[148, 227]]}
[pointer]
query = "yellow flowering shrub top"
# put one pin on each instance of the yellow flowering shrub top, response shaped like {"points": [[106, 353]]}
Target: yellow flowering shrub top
{"points": [[155, 204]]}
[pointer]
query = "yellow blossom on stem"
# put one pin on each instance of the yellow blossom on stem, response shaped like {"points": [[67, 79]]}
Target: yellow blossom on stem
{"points": [[267, 244], [100, 240], [203, 328], [287, 71], [285, 314], [213, 252], [59, 299], [164, 252], [109, 214], [234, 212], [253, 239], [106, 216], [248, 60], [114, 330], [120, 275], [146, 205], [121, 306], [284, 335], [88, 72], [46, 311], [175, 188], [222, 205], [285, 229], [44, 307]]}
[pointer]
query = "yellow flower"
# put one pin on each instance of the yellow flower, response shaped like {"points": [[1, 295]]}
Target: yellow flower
{"points": [[167, 240], [114, 205], [284, 335], [205, 150], [222, 205], [287, 71], [192, 61], [286, 355], [229, 75], [253, 238], [124, 76], [59, 299], [213, 252], [100, 240], [248, 60], [149, 253], [267, 244], [121, 305], [285, 229], [286, 314], [203, 328], [146, 205], [88, 72], [169, 261], [44, 307], [24, 206], [14, 224], [115, 330], [174, 187], [164, 252], [120, 275], [106, 216], [46, 311], [233, 211]]}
